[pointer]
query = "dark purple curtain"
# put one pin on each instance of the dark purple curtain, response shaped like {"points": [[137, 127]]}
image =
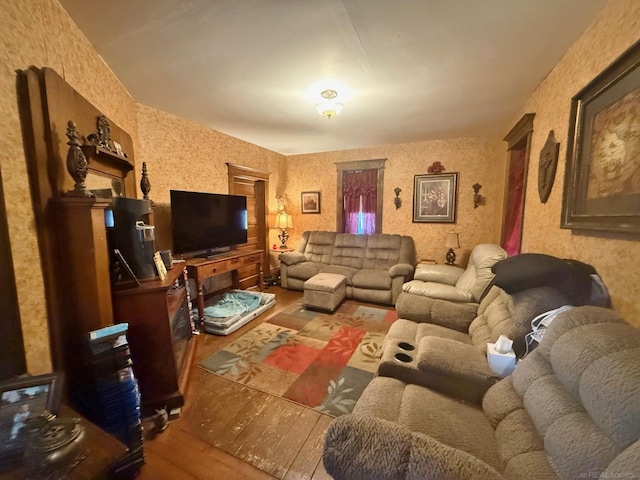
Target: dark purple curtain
{"points": [[513, 220], [359, 189]]}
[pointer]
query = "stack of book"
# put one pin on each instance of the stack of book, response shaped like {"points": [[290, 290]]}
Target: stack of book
{"points": [[116, 397]]}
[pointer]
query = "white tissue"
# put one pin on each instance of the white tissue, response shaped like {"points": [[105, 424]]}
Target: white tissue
{"points": [[503, 344], [501, 364]]}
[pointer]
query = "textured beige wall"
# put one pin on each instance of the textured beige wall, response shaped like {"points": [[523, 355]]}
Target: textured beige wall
{"points": [[182, 155], [614, 256], [40, 33], [478, 160]]}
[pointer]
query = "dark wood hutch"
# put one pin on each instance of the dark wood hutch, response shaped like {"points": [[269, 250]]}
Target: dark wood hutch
{"points": [[73, 246]]}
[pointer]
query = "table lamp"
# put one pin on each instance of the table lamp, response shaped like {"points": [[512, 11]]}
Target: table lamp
{"points": [[283, 221], [451, 243]]}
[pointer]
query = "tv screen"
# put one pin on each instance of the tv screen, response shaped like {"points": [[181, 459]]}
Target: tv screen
{"points": [[205, 222]]}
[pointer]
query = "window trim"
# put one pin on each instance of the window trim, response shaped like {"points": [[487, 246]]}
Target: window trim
{"points": [[341, 167]]}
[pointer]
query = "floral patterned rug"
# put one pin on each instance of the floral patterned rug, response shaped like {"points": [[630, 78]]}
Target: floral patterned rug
{"points": [[320, 360]]}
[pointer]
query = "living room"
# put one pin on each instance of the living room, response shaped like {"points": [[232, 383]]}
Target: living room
{"points": [[182, 154]]}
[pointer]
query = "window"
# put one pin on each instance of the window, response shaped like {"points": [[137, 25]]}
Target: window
{"points": [[359, 203]]}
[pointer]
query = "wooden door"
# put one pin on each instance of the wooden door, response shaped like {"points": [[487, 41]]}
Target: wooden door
{"points": [[254, 184]]}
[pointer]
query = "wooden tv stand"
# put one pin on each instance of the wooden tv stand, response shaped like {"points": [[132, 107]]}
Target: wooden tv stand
{"points": [[199, 269]]}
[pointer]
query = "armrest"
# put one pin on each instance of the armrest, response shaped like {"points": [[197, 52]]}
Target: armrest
{"points": [[459, 369], [291, 258], [447, 274], [366, 447], [457, 316], [401, 270]]}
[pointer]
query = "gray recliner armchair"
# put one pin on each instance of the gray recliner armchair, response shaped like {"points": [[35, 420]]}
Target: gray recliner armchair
{"points": [[455, 284]]}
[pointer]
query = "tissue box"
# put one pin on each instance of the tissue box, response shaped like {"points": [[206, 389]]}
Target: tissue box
{"points": [[501, 364]]}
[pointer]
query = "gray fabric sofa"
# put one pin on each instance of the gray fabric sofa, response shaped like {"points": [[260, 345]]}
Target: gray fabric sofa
{"points": [[571, 409], [375, 266], [450, 342]]}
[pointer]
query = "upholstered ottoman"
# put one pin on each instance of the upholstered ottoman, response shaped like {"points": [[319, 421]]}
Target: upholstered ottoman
{"points": [[325, 291]]}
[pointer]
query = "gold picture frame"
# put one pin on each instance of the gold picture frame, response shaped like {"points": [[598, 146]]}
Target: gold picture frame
{"points": [[602, 176]]}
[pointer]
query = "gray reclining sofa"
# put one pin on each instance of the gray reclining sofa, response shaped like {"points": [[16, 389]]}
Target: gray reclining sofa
{"points": [[375, 266]]}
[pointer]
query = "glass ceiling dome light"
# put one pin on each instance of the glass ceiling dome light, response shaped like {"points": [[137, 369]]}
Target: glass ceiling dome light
{"points": [[329, 107]]}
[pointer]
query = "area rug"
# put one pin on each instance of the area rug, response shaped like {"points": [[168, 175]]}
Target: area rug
{"points": [[323, 361]]}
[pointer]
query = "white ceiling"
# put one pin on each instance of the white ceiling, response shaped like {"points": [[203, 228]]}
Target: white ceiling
{"points": [[405, 70]]}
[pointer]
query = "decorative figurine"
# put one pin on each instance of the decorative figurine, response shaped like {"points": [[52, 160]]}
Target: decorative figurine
{"points": [[436, 168], [77, 164], [145, 184]]}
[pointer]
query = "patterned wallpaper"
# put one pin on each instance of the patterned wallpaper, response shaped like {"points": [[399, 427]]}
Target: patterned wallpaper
{"points": [[478, 160], [614, 256], [40, 33], [181, 154]]}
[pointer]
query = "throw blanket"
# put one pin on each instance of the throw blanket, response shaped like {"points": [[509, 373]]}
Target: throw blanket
{"points": [[232, 304]]}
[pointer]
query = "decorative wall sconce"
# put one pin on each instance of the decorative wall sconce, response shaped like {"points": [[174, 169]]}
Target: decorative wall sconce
{"points": [[397, 201], [477, 198], [451, 242]]}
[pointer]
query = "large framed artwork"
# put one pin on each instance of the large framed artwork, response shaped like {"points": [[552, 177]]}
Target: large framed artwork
{"points": [[602, 177], [434, 198], [21, 400]]}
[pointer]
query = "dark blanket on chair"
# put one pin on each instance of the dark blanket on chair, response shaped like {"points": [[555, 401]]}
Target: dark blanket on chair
{"points": [[529, 270]]}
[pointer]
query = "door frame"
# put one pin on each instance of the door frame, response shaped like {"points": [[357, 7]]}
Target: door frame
{"points": [[260, 179], [518, 140]]}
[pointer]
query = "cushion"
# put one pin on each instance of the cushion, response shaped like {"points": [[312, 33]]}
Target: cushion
{"points": [[446, 274], [371, 278], [437, 290], [324, 282]]}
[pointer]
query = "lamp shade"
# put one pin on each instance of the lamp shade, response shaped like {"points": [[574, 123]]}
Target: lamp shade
{"points": [[283, 221], [452, 240]]}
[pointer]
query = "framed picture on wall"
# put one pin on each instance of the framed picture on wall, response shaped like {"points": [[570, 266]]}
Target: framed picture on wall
{"points": [[20, 401], [434, 198], [602, 177], [310, 202]]}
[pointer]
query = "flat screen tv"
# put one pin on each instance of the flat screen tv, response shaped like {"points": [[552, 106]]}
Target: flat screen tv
{"points": [[204, 224]]}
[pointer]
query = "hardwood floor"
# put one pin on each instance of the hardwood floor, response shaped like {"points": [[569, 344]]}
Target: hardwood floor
{"points": [[223, 422]]}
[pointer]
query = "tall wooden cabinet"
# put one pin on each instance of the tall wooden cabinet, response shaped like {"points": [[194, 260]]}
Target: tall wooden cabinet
{"points": [[72, 237]]}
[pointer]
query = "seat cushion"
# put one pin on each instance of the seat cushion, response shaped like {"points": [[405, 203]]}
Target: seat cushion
{"points": [[372, 278]]}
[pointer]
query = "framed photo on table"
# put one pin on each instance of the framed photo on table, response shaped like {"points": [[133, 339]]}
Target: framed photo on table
{"points": [[20, 401], [602, 176], [310, 202], [434, 198]]}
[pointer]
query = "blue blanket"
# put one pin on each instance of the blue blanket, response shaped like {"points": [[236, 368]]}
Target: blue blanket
{"points": [[232, 304]]}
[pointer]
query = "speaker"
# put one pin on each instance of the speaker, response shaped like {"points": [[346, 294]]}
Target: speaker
{"points": [[167, 258]]}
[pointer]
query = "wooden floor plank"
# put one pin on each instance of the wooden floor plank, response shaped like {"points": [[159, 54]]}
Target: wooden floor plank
{"points": [[290, 445], [233, 416], [261, 438], [307, 459]]}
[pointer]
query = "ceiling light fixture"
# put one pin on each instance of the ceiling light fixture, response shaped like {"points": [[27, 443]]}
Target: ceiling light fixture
{"points": [[329, 107]]}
